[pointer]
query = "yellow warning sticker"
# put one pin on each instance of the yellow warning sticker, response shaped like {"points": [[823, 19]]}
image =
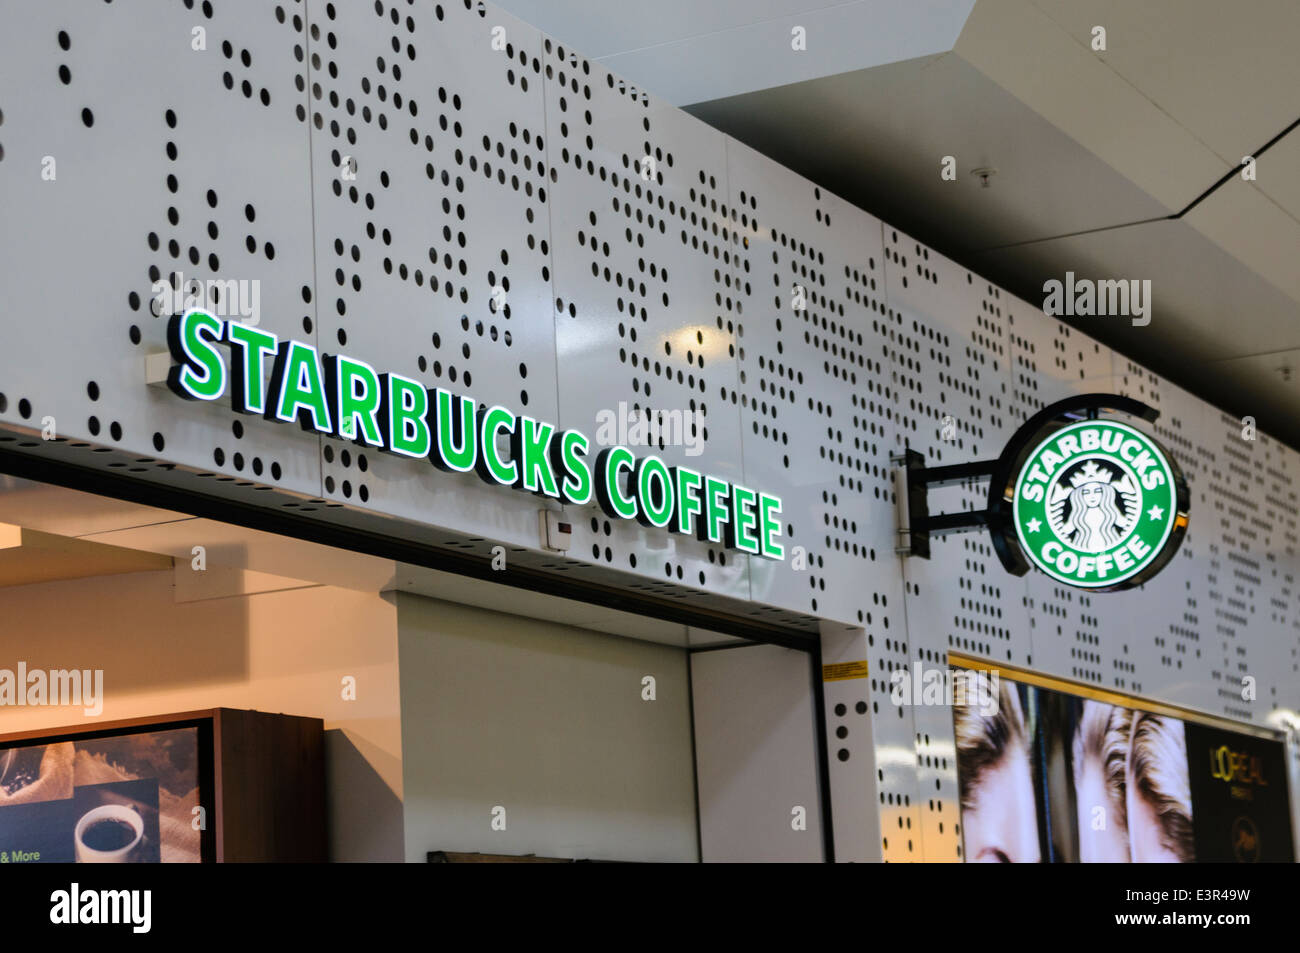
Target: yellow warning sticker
{"points": [[840, 671]]}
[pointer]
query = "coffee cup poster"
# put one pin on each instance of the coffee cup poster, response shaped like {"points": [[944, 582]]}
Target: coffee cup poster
{"points": [[124, 799]]}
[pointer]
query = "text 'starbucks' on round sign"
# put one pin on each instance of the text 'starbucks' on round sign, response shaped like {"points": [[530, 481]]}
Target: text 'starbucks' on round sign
{"points": [[1096, 504]]}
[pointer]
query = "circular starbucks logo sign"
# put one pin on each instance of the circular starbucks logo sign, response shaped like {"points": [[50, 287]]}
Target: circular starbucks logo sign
{"points": [[1095, 504]]}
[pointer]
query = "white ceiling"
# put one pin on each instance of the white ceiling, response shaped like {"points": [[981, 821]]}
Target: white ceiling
{"points": [[688, 51]]}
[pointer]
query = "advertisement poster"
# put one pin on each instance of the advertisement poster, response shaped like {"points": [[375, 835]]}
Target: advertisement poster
{"points": [[1047, 776], [1240, 785], [123, 799]]}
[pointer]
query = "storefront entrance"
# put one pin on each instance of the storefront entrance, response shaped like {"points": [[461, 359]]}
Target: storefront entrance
{"points": [[459, 716]]}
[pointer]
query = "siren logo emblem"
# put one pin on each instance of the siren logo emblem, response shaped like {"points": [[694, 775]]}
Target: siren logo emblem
{"points": [[1092, 507], [1095, 503]]}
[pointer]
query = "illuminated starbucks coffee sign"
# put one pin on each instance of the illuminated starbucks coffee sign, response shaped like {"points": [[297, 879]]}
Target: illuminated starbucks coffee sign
{"points": [[348, 399], [1095, 503], [1092, 501]]}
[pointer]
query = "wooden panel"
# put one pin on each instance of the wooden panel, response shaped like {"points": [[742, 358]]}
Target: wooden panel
{"points": [[270, 793]]}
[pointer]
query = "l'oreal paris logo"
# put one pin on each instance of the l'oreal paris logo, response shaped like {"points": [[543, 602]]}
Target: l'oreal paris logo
{"points": [[1236, 766], [348, 399], [1116, 297]]}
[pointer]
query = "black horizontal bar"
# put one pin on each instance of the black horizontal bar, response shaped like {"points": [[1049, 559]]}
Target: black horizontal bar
{"points": [[941, 524], [953, 473]]}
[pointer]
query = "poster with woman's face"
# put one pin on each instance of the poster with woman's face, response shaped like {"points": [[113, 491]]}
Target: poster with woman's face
{"points": [[1050, 776], [1098, 761], [999, 787]]}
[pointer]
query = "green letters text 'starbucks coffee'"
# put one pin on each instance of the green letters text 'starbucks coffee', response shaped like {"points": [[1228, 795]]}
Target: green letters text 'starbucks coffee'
{"points": [[1095, 504], [345, 398]]}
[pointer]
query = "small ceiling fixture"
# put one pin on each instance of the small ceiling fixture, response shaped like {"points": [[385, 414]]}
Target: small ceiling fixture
{"points": [[984, 175]]}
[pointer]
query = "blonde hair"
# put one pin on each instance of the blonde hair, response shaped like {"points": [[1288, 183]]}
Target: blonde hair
{"points": [[1158, 761], [1103, 734], [983, 740]]}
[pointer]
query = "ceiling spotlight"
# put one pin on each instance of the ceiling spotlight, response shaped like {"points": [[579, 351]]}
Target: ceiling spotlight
{"points": [[984, 175]]}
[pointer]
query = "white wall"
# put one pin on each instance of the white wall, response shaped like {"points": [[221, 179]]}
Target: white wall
{"points": [[285, 651], [756, 755], [548, 722]]}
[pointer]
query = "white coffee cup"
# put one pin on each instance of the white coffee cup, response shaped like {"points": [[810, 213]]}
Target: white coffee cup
{"points": [[117, 812]]}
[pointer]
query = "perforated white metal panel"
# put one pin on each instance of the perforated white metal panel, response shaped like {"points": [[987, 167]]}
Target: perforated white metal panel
{"points": [[808, 293], [429, 174], [640, 320], [128, 158]]}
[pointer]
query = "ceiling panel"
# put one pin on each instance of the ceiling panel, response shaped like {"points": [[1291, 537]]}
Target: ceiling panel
{"points": [[686, 52], [1227, 72], [1026, 52], [597, 32], [1255, 230], [28, 557], [1276, 174], [878, 136]]}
